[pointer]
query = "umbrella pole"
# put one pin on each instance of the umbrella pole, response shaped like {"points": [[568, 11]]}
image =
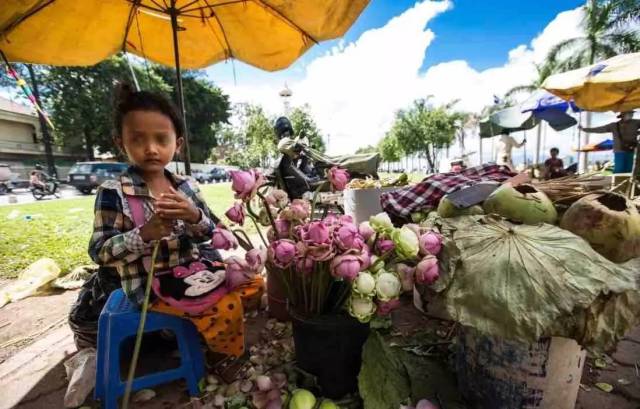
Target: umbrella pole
{"points": [[173, 11]]}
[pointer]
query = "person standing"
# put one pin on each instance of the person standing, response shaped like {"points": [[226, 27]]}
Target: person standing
{"points": [[554, 167], [625, 138], [504, 147]]}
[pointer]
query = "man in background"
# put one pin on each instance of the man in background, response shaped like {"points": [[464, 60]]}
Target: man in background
{"points": [[625, 138], [554, 167]]}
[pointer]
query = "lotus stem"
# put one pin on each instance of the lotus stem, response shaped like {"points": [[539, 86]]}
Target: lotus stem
{"points": [[255, 223]]}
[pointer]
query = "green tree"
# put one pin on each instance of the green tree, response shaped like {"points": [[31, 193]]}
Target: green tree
{"points": [[424, 129], [366, 149], [252, 143], [304, 125], [389, 149], [206, 106], [543, 71]]}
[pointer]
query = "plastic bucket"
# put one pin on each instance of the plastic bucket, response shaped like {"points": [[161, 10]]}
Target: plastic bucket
{"points": [[495, 373], [330, 348], [276, 297]]}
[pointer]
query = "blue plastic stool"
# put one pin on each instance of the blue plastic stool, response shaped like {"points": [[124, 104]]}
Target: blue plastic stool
{"points": [[119, 320]]}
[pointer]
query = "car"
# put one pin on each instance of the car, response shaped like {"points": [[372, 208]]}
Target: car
{"points": [[86, 176], [200, 176], [219, 175]]}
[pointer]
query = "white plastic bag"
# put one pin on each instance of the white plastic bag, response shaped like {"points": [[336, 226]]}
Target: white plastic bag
{"points": [[81, 372], [31, 281]]}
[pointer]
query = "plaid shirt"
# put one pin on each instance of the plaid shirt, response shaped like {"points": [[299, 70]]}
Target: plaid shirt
{"points": [[427, 194], [116, 241]]}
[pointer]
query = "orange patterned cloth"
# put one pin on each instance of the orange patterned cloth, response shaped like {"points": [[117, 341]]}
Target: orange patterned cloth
{"points": [[222, 325]]}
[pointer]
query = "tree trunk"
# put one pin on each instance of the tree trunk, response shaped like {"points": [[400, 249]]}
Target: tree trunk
{"points": [[88, 145], [430, 160], [44, 127]]}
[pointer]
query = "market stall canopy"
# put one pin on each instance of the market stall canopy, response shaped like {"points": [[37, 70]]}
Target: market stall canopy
{"points": [[506, 121], [552, 109], [605, 145], [268, 34], [610, 85]]}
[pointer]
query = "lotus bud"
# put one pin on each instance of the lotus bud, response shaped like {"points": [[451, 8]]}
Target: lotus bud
{"points": [[430, 243], [383, 246], [282, 252], [236, 213], [406, 274], [282, 230], [223, 239], [237, 272], [338, 178], [361, 308], [277, 198], [302, 399], [298, 210], [305, 265], [406, 243], [318, 233], [381, 223], [256, 258], [345, 218], [375, 264], [414, 228], [346, 266], [417, 217], [274, 404], [264, 383], [245, 183], [425, 404], [331, 220], [427, 270], [385, 308], [263, 216], [365, 284], [346, 236], [388, 286], [328, 404], [365, 230]]}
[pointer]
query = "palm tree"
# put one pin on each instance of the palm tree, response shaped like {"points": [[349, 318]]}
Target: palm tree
{"points": [[606, 33], [544, 70]]}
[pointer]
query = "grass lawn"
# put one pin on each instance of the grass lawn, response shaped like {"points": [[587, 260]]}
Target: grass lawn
{"points": [[60, 229]]}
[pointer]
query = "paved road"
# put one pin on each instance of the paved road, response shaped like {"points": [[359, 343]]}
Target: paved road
{"points": [[25, 196]]}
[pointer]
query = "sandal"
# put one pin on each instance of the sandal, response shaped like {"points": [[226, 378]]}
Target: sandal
{"points": [[232, 368]]}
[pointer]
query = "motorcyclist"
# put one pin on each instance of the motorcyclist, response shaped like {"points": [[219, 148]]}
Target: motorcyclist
{"points": [[40, 180]]}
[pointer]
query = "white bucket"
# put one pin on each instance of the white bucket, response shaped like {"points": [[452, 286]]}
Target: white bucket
{"points": [[495, 373], [363, 203]]}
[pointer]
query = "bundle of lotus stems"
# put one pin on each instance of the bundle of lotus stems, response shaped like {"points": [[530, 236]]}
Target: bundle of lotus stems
{"points": [[569, 189]]}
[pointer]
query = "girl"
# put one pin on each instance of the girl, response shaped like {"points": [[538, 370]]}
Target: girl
{"points": [[171, 212]]}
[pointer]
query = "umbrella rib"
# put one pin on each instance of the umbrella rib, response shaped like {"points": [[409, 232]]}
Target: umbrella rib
{"points": [[224, 33], [132, 10], [9, 27], [188, 4], [158, 4], [208, 7], [144, 6], [286, 19]]}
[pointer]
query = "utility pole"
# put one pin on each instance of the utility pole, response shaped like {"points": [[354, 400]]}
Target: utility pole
{"points": [[44, 128]]}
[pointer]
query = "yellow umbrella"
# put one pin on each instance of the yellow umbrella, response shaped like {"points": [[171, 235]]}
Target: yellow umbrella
{"points": [[610, 85], [268, 34]]}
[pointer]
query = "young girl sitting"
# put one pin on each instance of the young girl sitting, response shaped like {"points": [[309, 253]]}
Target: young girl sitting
{"points": [[149, 205]]}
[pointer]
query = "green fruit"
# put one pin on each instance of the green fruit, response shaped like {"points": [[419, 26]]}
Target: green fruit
{"points": [[523, 203], [302, 399], [446, 209], [328, 404]]}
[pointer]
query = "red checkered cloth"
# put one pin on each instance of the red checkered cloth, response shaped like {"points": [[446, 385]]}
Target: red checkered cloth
{"points": [[427, 194]]}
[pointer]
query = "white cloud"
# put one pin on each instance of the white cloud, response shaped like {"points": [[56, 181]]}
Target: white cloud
{"points": [[355, 89]]}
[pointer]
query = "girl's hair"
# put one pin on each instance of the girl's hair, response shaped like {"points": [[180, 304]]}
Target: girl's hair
{"points": [[127, 100]]}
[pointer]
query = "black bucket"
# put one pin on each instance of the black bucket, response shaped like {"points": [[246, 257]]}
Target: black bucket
{"points": [[330, 348]]}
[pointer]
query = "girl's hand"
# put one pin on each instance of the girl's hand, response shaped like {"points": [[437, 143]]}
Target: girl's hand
{"points": [[175, 205], [156, 228]]}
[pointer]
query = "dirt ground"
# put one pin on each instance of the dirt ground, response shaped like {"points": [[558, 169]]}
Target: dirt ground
{"points": [[32, 374]]}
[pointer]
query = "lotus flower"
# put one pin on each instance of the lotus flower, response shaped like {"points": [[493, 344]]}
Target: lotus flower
{"points": [[245, 183], [365, 230], [414, 228], [425, 404], [338, 178], [302, 399], [236, 213], [384, 246], [256, 259], [430, 243], [223, 239], [427, 270], [277, 198], [331, 220], [346, 236], [406, 243], [361, 308], [345, 218], [317, 233], [385, 308], [365, 284], [321, 252], [381, 223], [298, 210], [346, 266], [305, 265], [388, 286], [364, 256], [375, 264], [237, 272], [282, 252], [282, 230], [406, 274]]}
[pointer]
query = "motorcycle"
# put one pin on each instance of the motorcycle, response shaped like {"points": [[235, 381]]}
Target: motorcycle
{"points": [[47, 188]]}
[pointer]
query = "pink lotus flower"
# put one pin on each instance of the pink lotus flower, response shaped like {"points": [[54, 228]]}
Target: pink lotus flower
{"points": [[282, 252], [282, 230], [321, 252], [406, 274], [346, 236], [305, 265], [298, 210], [345, 218], [331, 220], [256, 259], [384, 246], [365, 230], [430, 243], [364, 256], [427, 270], [245, 183], [346, 266], [385, 307], [317, 233], [414, 228], [277, 198], [338, 178], [236, 213], [237, 272], [223, 239]]}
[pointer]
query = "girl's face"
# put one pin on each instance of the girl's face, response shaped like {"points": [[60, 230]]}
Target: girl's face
{"points": [[149, 140]]}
